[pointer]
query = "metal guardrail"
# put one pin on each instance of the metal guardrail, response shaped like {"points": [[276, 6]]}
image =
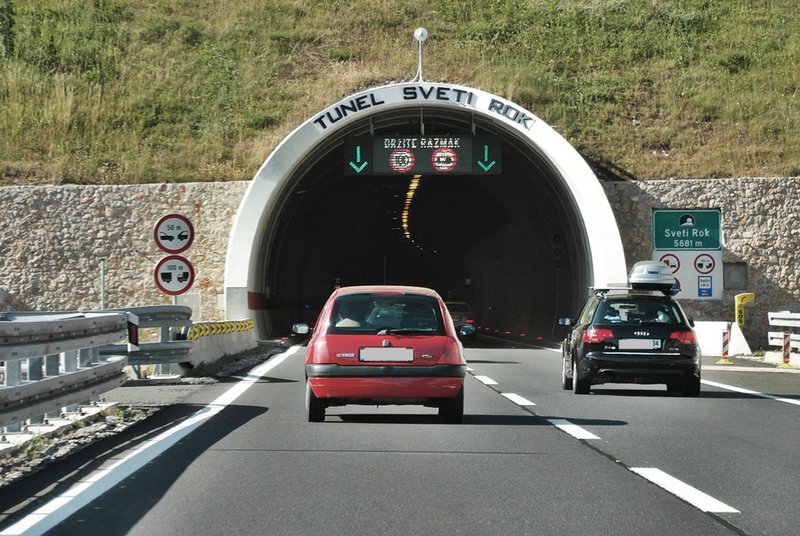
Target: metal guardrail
{"points": [[787, 320], [173, 320], [51, 361]]}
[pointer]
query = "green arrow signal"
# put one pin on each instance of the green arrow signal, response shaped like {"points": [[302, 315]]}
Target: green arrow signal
{"points": [[488, 165], [358, 166]]}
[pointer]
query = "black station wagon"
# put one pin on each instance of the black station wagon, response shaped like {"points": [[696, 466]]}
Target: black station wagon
{"points": [[631, 336]]}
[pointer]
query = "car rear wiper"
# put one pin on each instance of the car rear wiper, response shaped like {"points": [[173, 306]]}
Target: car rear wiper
{"points": [[404, 331]]}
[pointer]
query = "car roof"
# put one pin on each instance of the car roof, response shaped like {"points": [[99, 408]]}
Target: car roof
{"points": [[385, 289]]}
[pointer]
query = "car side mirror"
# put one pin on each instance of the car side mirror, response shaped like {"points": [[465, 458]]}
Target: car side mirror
{"points": [[691, 322], [300, 329], [566, 321], [466, 330]]}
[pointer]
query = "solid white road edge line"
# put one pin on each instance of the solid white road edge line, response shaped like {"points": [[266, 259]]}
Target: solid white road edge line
{"points": [[517, 399], [693, 496], [753, 393], [486, 380], [572, 429], [99, 482]]}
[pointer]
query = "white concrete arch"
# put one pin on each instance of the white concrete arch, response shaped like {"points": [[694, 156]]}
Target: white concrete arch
{"points": [[606, 255]]}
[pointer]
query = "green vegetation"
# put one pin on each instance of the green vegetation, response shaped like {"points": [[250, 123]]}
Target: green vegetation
{"points": [[124, 91]]}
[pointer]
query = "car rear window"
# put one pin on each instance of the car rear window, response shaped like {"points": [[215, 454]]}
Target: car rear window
{"points": [[458, 307], [638, 312], [387, 313]]}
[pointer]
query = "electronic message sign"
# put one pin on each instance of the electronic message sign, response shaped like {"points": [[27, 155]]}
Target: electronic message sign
{"points": [[424, 155]]}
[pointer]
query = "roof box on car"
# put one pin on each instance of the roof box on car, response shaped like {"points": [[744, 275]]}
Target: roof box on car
{"points": [[651, 275]]}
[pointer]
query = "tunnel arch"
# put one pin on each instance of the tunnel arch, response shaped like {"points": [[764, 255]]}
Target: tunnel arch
{"points": [[549, 200]]}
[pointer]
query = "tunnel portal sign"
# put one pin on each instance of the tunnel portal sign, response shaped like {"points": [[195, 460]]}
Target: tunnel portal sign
{"points": [[679, 230], [437, 155]]}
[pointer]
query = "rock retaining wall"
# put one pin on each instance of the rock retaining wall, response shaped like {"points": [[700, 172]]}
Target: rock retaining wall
{"points": [[55, 239]]}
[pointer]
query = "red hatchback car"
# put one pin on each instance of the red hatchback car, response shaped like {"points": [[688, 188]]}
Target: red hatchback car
{"points": [[384, 344]]}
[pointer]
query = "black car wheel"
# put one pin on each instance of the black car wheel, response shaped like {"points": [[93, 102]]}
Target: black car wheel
{"points": [[692, 387], [452, 409], [566, 381], [579, 386], [315, 408]]}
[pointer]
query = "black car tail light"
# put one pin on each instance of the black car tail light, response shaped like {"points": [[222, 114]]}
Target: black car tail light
{"points": [[684, 337], [597, 335]]}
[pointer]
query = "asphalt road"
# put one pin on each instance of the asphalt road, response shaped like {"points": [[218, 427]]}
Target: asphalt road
{"points": [[237, 457]]}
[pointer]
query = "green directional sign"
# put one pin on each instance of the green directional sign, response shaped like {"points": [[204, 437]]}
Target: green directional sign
{"points": [[694, 229], [426, 155], [358, 163]]}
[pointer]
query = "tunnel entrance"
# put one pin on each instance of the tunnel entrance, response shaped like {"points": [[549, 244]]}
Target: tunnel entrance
{"points": [[521, 246]]}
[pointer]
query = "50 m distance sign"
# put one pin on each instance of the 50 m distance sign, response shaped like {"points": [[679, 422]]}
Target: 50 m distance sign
{"points": [[426, 155]]}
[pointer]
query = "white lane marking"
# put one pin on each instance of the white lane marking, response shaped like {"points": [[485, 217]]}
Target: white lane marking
{"points": [[99, 482], [753, 393], [554, 349], [486, 380], [518, 400], [693, 496], [572, 429]]}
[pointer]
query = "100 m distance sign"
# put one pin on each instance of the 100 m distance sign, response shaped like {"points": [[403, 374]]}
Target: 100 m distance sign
{"points": [[426, 155]]}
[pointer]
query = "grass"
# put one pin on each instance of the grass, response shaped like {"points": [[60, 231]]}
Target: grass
{"points": [[124, 91]]}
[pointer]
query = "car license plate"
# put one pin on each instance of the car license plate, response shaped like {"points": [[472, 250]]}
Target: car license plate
{"points": [[390, 353], [640, 344]]}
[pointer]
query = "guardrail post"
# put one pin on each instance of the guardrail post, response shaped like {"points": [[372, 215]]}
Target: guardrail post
{"points": [[13, 378]]}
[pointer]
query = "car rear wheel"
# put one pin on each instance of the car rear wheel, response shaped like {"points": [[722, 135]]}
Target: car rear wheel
{"points": [[315, 408], [579, 387], [566, 382], [452, 409]]}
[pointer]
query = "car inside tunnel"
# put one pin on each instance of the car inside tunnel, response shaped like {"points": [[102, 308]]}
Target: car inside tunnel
{"points": [[511, 244]]}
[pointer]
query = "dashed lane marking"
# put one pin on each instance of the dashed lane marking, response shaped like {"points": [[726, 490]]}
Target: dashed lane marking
{"points": [[572, 429], [486, 380], [517, 399], [680, 489]]}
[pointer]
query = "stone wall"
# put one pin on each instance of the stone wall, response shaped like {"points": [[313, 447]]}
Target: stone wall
{"points": [[55, 237]]}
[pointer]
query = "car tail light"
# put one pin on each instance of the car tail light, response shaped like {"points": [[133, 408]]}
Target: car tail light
{"points": [[470, 321], [595, 335], [684, 337]]}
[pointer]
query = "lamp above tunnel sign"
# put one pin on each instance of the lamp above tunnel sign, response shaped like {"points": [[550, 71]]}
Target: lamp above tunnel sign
{"points": [[424, 155], [679, 229]]}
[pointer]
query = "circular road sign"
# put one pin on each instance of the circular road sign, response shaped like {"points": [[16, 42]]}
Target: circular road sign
{"points": [[401, 160], [444, 159], [704, 263], [672, 261], [174, 275], [173, 233]]}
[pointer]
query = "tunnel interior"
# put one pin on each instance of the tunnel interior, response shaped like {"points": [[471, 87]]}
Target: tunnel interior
{"points": [[512, 245]]}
